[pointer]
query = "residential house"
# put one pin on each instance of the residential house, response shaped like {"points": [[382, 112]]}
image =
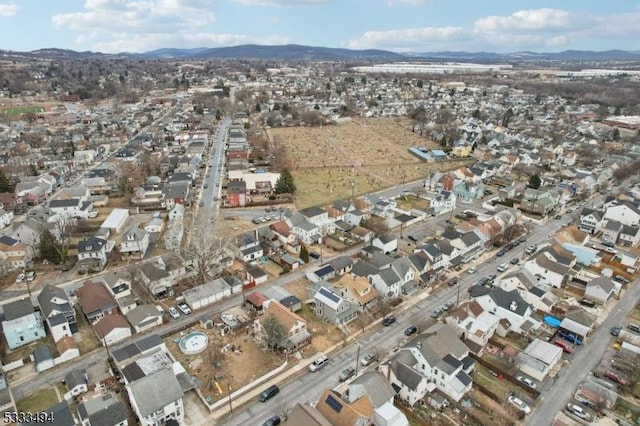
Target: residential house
{"points": [[539, 358], [157, 398], [13, 254], [438, 181], [435, 360], [237, 193], [386, 243], [249, 247], [294, 326], [61, 414], [341, 264], [626, 213], [305, 414], [76, 381], [144, 317], [333, 407], [173, 235], [373, 386], [22, 323], [506, 305], [611, 231], [319, 217], [469, 190], [534, 291], [629, 236], [43, 358], [58, 312], [118, 282], [442, 202], [333, 308], [92, 254], [103, 410], [111, 329], [591, 220], [600, 290], [539, 201], [551, 265], [72, 207], [95, 300], [357, 290], [305, 230], [474, 324], [135, 243]]}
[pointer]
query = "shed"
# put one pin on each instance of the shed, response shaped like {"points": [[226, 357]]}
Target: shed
{"points": [[43, 358], [256, 300], [116, 220], [574, 327], [539, 358], [206, 294]]}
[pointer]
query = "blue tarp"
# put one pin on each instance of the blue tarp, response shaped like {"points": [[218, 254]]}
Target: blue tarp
{"points": [[553, 322]]}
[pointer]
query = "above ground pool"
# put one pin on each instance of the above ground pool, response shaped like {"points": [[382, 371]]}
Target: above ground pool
{"points": [[194, 343]]}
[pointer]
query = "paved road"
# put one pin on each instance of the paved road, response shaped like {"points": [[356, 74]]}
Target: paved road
{"points": [[308, 387], [584, 360]]}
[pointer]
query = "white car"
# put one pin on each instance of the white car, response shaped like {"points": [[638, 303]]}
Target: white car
{"points": [[503, 267], [472, 270], [173, 312], [520, 404], [367, 359], [20, 278], [93, 214], [184, 308], [578, 411], [527, 381]]}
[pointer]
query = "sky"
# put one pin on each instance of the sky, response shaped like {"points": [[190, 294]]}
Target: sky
{"points": [[113, 26]]}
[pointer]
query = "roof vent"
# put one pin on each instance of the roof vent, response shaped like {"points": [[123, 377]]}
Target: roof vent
{"points": [[513, 306]]}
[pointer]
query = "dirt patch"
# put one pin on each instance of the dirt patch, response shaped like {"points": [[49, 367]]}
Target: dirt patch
{"points": [[411, 202], [272, 268], [85, 338], [38, 401], [299, 288], [325, 335], [228, 363]]}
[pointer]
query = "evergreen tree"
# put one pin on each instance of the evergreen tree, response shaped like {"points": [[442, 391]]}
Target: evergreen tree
{"points": [[304, 254], [534, 181], [50, 248], [285, 184], [5, 183]]}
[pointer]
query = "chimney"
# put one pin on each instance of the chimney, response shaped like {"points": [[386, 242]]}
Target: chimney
{"points": [[513, 306]]}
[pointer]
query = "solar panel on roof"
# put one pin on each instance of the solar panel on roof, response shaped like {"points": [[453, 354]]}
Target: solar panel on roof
{"points": [[334, 404], [331, 296]]}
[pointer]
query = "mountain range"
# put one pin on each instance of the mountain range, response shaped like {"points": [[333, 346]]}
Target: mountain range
{"points": [[313, 53]]}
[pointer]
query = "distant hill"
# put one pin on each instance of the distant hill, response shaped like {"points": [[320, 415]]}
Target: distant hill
{"points": [[315, 53], [284, 52]]}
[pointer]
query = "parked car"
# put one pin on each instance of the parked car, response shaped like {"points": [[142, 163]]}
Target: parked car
{"points": [[527, 381], [272, 421], [578, 411], [612, 375], [503, 267], [615, 331], [436, 313], [558, 217], [318, 363], [412, 329], [472, 270], [453, 281], [173, 312], [20, 278], [93, 214], [367, 359], [314, 254], [621, 279], [492, 278], [269, 393], [388, 320], [566, 346], [184, 308], [514, 261], [520, 404], [31, 275], [587, 302], [347, 373], [501, 253]]}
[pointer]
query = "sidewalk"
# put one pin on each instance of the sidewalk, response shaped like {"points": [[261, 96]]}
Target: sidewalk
{"points": [[302, 365]]}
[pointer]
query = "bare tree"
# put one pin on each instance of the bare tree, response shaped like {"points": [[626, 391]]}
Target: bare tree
{"points": [[375, 224], [204, 249], [283, 410], [384, 307]]}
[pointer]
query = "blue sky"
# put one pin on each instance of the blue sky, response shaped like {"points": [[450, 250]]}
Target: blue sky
{"points": [[399, 25]]}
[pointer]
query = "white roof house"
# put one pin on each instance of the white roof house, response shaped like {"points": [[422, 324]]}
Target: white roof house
{"points": [[539, 358]]}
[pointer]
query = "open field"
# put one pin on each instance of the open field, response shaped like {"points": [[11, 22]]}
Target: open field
{"points": [[23, 110], [363, 141], [323, 185], [38, 401]]}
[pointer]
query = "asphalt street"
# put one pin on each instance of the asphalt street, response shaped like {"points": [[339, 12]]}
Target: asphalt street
{"points": [[309, 386]]}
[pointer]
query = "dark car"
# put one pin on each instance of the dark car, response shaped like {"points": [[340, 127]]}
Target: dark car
{"points": [[412, 329], [558, 217], [412, 238], [389, 320], [272, 421], [314, 254], [514, 261], [269, 393], [615, 331], [501, 253], [587, 302], [491, 278]]}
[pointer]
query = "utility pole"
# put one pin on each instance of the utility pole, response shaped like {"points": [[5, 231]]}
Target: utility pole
{"points": [[357, 359], [458, 293], [230, 405]]}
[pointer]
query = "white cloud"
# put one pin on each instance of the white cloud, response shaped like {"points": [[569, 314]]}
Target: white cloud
{"points": [[147, 42], [410, 39], [407, 2], [280, 2], [527, 20], [7, 10], [139, 16]]}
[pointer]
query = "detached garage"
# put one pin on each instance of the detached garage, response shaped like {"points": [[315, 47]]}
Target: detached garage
{"points": [[206, 294], [539, 358], [116, 220]]}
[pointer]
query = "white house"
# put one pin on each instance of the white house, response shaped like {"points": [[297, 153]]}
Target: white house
{"points": [[506, 305], [443, 202], [434, 360], [157, 398], [92, 253], [591, 220], [539, 358], [320, 218], [600, 290], [144, 317], [135, 242], [387, 243], [112, 329], [475, 324], [625, 213]]}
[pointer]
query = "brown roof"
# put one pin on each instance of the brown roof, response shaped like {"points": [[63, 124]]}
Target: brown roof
{"points": [[349, 414], [281, 228], [65, 344], [93, 296], [360, 231], [358, 285], [333, 212], [108, 323], [285, 317]]}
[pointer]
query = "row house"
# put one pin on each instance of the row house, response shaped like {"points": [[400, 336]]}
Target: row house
{"points": [[508, 306]]}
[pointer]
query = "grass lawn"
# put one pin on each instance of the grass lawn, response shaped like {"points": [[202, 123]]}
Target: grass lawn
{"points": [[38, 401], [23, 110], [411, 202], [484, 378]]}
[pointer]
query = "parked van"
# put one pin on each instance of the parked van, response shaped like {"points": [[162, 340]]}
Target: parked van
{"points": [[318, 363], [269, 393]]}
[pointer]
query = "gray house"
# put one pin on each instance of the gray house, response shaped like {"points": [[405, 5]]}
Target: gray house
{"points": [[331, 307]]}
